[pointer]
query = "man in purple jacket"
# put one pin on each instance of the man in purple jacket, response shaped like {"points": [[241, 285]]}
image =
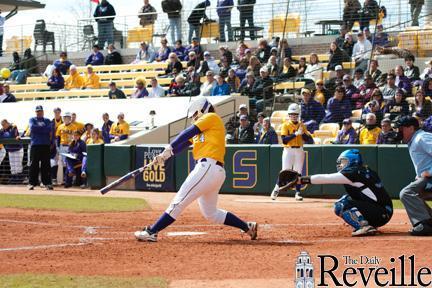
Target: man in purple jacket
{"points": [[347, 135], [312, 112], [96, 57], [338, 107], [224, 12], [403, 82]]}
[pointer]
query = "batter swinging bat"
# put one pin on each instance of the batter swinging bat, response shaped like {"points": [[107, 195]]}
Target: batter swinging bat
{"points": [[125, 178]]}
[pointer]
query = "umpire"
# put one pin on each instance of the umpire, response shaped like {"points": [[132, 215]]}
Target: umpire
{"points": [[41, 138], [414, 195]]}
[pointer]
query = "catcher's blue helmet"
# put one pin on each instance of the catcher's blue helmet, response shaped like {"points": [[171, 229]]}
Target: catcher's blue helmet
{"points": [[349, 158]]}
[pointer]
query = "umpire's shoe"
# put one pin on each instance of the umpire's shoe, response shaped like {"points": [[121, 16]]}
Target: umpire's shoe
{"points": [[253, 230], [423, 228], [146, 235]]}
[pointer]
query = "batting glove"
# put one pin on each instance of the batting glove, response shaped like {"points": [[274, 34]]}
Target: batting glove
{"points": [[165, 155]]}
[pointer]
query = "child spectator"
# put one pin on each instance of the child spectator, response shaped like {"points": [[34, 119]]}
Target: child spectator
{"points": [[347, 135]]}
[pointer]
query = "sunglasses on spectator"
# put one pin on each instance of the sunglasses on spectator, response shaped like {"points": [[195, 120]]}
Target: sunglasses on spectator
{"points": [[320, 84]]}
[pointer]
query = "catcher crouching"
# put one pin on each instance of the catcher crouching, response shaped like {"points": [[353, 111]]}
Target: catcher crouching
{"points": [[366, 205]]}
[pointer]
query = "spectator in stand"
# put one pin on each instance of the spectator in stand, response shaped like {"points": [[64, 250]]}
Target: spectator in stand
{"points": [[255, 65], [176, 86], [164, 51], [427, 125], [423, 106], [209, 85], [374, 108], [74, 80], [191, 88], [15, 151], [222, 88], [416, 8], [365, 93], [341, 38], [241, 69], [74, 160], [56, 81], [233, 81], [195, 47], [41, 137], [145, 54], [224, 8], [173, 9], [28, 66], [246, 87], [350, 89], [86, 136], [174, 65], [314, 69], [381, 38], [427, 87], [234, 121], [312, 112], [348, 45], [267, 135], [389, 90], [63, 64], [396, 107], [91, 80], [347, 135], [192, 62], [246, 9], [351, 13], [141, 91], [114, 92], [286, 51], [106, 128], [374, 71], [368, 34], [369, 12], [225, 53], [288, 71], [302, 66], [358, 78], [179, 49], [5, 95], [194, 20], [273, 67], [387, 135], [369, 134], [362, 51], [411, 71], [225, 67], [113, 57], [263, 90], [337, 57], [263, 51], [338, 107], [96, 58], [258, 126], [403, 82], [156, 90], [243, 134], [119, 130], [148, 14], [16, 62], [335, 81], [321, 94], [241, 51], [105, 24], [427, 72], [209, 63]]}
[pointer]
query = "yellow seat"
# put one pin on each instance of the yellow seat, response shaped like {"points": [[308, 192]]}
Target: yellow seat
{"points": [[348, 65], [139, 34], [356, 114], [333, 128], [290, 25], [321, 57], [289, 85], [210, 30]]}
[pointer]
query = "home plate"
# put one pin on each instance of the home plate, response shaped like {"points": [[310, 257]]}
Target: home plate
{"points": [[185, 233]]}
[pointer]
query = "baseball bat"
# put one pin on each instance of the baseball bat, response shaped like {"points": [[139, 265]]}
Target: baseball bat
{"points": [[124, 178]]}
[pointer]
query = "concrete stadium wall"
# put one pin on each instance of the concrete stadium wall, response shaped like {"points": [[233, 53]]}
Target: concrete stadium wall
{"points": [[253, 169]]}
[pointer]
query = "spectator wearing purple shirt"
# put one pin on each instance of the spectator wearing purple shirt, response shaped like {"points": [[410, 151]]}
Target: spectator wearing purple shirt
{"points": [[96, 58], [350, 89], [180, 50], [347, 135], [164, 51], [141, 90], [312, 112], [387, 134], [338, 107], [403, 82]]}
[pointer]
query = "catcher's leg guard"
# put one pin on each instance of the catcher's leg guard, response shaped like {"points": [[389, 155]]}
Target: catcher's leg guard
{"points": [[351, 215]]}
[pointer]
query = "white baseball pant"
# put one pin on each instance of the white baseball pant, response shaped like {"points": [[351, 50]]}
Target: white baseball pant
{"points": [[15, 161], [203, 183], [63, 149], [2, 154], [293, 158]]}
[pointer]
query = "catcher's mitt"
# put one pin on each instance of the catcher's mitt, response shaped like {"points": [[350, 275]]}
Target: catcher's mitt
{"points": [[287, 179]]}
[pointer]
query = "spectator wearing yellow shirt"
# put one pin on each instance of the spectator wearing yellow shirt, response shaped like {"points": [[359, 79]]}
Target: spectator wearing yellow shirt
{"points": [[87, 135], [119, 130], [370, 133], [321, 94], [74, 80], [80, 127], [92, 80]]}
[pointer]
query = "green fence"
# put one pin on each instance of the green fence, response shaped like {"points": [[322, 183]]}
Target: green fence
{"points": [[252, 169]]}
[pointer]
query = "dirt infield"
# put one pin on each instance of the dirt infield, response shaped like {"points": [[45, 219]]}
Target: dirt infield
{"points": [[207, 256]]}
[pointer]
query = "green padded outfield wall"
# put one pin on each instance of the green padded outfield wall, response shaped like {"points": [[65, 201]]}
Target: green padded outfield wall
{"points": [[312, 165], [395, 168], [118, 161], [246, 166], [95, 160]]}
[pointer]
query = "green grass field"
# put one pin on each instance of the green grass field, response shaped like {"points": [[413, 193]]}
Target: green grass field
{"points": [[72, 203], [56, 281]]}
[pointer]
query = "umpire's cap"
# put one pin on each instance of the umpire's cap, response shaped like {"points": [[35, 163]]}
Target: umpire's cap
{"points": [[407, 121]]}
